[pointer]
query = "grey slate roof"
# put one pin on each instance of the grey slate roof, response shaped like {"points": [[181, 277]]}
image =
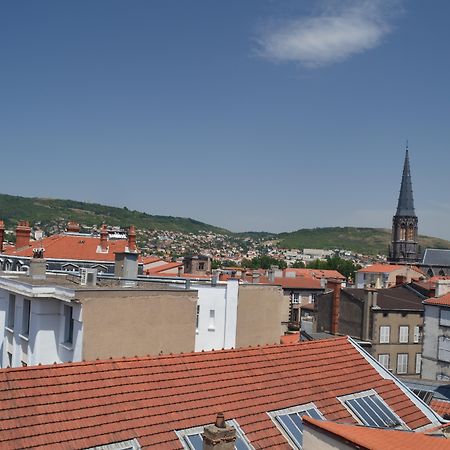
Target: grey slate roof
{"points": [[436, 257], [405, 205]]}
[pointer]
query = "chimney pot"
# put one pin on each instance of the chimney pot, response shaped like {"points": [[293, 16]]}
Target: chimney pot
{"points": [[23, 232], [219, 436], [104, 238], [132, 239]]}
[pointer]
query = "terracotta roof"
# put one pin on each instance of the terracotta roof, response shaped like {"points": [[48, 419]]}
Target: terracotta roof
{"points": [[442, 407], [366, 438], [163, 267], [87, 404], [316, 273], [298, 282], [291, 338], [381, 268], [443, 300], [150, 259], [74, 247]]}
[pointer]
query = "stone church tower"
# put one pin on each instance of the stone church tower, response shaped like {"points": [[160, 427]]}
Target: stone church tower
{"points": [[404, 247]]}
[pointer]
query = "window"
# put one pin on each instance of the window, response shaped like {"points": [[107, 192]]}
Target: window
{"points": [[444, 319], [211, 325], [68, 324], [444, 349], [9, 354], [192, 438], [295, 298], [417, 335], [11, 311], [26, 316], [402, 363], [201, 266], [371, 410], [384, 334], [418, 363], [198, 316], [403, 334], [384, 360], [290, 420], [132, 444]]}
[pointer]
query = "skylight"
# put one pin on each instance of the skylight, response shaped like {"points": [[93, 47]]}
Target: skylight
{"points": [[371, 410], [192, 438], [290, 421]]}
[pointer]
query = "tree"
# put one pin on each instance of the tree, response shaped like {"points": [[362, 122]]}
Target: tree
{"points": [[343, 266], [298, 265], [263, 262]]}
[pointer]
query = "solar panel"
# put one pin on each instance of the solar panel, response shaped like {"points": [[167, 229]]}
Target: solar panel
{"points": [[293, 425], [373, 412]]}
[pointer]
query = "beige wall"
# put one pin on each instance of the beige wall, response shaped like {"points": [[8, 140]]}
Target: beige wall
{"points": [[261, 310], [317, 440], [394, 320], [128, 322]]}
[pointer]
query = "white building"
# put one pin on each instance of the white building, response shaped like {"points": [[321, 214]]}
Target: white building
{"points": [[56, 319], [436, 338]]}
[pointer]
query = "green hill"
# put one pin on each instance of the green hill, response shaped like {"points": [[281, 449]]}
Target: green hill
{"points": [[362, 240], [52, 211]]}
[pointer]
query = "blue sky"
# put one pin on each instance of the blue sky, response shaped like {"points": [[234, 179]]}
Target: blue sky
{"points": [[255, 115]]}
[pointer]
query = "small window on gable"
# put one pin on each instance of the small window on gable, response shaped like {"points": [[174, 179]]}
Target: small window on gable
{"points": [[371, 410], [191, 439], [290, 421]]}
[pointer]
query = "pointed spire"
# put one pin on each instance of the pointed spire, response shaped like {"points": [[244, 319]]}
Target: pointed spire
{"points": [[405, 205]]}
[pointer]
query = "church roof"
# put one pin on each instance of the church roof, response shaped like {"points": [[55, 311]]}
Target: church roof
{"points": [[405, 205], [436, 257]]}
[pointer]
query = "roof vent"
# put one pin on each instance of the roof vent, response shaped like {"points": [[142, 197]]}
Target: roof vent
{"points": [[88, 277]]}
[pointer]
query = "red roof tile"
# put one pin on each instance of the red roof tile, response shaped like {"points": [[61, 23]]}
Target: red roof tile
{"points": [[95, 403], [442, 407], [386, 268], [290, 338], [443, 300], [72, 247], [316, 273], [163, 268], [378, 439]]}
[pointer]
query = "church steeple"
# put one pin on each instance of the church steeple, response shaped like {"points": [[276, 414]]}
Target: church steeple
{"points": [[405, 205], [404, 247]]}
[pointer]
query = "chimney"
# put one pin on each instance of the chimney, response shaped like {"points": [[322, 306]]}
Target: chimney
{"points": [[38, 265], [400, 279], [215, 277], [180, 270], [271, 275], [255, 277], [370, 301], [73, 227], [23, 232], [126, 266], [336, 302], [2, 234], [219, 436], [132, 239], [104, 238]]}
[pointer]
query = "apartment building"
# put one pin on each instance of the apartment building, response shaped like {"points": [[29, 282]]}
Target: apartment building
{"points": [[381, 276], [59, 318], [390, 319], [436, 344]]}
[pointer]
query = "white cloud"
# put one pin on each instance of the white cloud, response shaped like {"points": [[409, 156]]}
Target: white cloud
{"points": [[332, 36]]}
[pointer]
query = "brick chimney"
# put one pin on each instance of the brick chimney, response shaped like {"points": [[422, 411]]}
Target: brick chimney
{"points": [[104, 238], [2, 234], [219, 436], [23, 232], [335, 305], [132, 239], [400, 279], [73, 227]]}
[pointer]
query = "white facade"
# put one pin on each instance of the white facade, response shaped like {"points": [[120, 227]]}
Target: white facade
{"points": [[436, 343], [38, 327], [216, 316]]}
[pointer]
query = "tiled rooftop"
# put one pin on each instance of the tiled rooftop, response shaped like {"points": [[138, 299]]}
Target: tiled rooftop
{"points": [[88, 404], [443, 300], [72, 247], [442, 407], [379, 439]]}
